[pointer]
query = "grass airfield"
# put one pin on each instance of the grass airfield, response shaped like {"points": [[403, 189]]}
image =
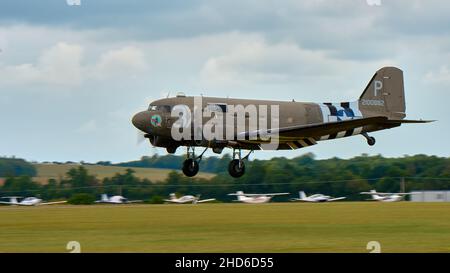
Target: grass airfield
{"points": [[272, 227]]}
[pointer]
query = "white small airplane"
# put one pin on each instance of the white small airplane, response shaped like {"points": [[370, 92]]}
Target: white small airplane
{"points": [[255, 198], [28, 201], [186, 199], [116, 199], [316, 198], [386, 196]]}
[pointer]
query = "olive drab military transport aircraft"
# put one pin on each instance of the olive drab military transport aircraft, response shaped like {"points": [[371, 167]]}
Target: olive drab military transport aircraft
{"points": [[242, 124]]}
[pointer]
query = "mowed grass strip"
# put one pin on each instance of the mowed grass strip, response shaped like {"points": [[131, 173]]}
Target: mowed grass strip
{"points": [[55, 171], [273, 227]]}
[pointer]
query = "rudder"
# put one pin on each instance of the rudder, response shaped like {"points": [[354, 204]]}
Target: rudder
{"points": [[384, 94]]}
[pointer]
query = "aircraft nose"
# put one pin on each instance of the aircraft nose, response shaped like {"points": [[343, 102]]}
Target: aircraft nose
{"points": [[141, 120]]}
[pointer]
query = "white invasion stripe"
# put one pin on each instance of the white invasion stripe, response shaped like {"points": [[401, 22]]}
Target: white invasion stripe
{"points": [[340, 134], [354, 105], [325, 112], [313, 141], [357, 131], [325, 137]]}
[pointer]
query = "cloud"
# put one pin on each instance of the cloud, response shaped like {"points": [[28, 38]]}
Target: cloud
{"points": [[254, 60], [441, 76], [123, 62], [62, 65], [58, 65]]}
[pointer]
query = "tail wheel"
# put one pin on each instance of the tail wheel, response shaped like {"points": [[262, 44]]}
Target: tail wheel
{"points": [[190, 167], [236, 168], [371, 141]]}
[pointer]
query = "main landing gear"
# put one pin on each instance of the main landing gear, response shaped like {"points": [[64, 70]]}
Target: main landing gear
{"points": [[236, 168], [370, 140], [191, 164]]}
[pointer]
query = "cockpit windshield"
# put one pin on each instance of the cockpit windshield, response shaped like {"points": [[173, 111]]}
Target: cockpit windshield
{"points": [[162, 108]]}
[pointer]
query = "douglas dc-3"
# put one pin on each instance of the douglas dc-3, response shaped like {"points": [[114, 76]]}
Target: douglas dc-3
{"points": [[242, 124]]}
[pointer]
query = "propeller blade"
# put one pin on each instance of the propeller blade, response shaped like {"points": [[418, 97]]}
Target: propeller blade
{"points": [[140, 137]]}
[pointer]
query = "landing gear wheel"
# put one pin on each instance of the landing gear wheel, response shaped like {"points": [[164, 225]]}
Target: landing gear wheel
{"points": [[190, 167], [371, 141], [236, 168], [171, 150]]}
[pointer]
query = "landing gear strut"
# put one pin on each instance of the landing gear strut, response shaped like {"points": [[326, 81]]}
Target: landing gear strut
{"points": [[191, 164], [236, 168], [370, 140]]}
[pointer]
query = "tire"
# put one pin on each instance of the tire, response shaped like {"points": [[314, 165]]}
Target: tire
{"points": [[190, 167], [171, 150], [371, 141], [234, 170]]}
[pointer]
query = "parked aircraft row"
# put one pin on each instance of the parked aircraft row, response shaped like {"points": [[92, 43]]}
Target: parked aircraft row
{"points": [[250, 198]]}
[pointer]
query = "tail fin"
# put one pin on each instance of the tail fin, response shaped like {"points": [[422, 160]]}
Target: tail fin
{"points": [[384, 94], [104, 197], [302, 194], [374, 194], [240, 195], [172, 196]]}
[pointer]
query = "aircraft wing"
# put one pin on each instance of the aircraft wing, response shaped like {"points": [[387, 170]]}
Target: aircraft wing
{"points": [[318, 129], [7, 203], [387, 193], [336, 199], [171, 201], [206, 200], [259, 194], [276, 194], [52, 203], [135, 201], [300, 200]]}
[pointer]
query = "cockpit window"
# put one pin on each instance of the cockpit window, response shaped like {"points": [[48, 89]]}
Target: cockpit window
{"points": [[162, 108]]}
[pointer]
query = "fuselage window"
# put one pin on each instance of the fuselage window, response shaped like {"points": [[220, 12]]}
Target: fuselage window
{"points": [[214, 107]]}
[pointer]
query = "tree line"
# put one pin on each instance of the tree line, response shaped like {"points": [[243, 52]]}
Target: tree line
{"points": [[334, 176]]}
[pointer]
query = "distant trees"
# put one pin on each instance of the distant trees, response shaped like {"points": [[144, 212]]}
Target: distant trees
{"points": [[81, 199], [336, 177], [16, 167]]}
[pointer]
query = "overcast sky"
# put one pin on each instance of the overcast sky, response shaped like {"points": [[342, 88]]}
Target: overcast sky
{"points": [[71, 77]]}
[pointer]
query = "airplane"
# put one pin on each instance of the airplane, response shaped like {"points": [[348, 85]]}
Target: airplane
{"points": [[186, 199], [386, 196], [255, 198], [117, 199], [315, 198], [28, 201], [187, 121]]}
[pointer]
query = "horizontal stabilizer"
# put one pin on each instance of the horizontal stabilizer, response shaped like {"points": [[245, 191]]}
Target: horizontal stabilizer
{"points": [[408, 121]]}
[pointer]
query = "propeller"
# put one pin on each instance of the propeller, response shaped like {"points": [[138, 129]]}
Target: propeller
{"points": [[140, 137]]}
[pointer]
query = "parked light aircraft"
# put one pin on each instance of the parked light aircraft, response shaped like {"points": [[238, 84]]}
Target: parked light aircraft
{"points": [[386, 196], [186, 199], [315, 198], [28, 201], [117, 199], [255, 198], [293, 125]]}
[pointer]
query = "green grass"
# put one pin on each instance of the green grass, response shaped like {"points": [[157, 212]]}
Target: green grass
{"points": [[47, 171], [274, 227]]}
